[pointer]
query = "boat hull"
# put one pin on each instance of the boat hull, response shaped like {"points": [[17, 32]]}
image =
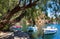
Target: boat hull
{"points": [[50, 31]]}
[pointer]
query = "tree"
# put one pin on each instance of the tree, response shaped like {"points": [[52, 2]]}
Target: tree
{"points": [[21, 6], [52, 9]]}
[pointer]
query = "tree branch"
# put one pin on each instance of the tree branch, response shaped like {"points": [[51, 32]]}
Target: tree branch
{"points": [[20, 17], [23, 14], [17, 8], [13, 11], [30, 1]]}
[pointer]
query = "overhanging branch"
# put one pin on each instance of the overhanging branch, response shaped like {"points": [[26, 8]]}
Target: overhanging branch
{"points": [[18, 8], [9, 14]]}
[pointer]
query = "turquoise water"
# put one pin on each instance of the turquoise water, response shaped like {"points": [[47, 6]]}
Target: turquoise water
{"points": [[53, 36]]}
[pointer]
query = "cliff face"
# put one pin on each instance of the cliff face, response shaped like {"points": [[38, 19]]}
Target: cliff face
{"points": [[40, 20], [40, 23]]}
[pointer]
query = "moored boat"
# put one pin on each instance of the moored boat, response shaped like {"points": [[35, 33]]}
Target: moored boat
{"points": [[49, 30]]}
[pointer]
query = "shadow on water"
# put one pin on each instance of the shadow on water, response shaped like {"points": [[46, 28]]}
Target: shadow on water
{"points": [[48, 36]]}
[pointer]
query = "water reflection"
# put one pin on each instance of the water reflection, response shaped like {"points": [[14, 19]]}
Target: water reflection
{"points": [[48, 36]]}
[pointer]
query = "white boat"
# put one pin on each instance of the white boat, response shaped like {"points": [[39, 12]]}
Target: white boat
{"points": [[49, 30]]}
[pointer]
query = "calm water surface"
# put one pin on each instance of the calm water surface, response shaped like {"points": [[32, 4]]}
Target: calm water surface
{"points": [[54, 36]]}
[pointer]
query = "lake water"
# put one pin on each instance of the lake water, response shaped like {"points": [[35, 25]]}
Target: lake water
{"points": [[53, 36]]}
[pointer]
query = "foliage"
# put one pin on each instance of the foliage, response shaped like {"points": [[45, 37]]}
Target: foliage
{"points": [[3, 7], [29, 9], [8, 8], [12, 4]]}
